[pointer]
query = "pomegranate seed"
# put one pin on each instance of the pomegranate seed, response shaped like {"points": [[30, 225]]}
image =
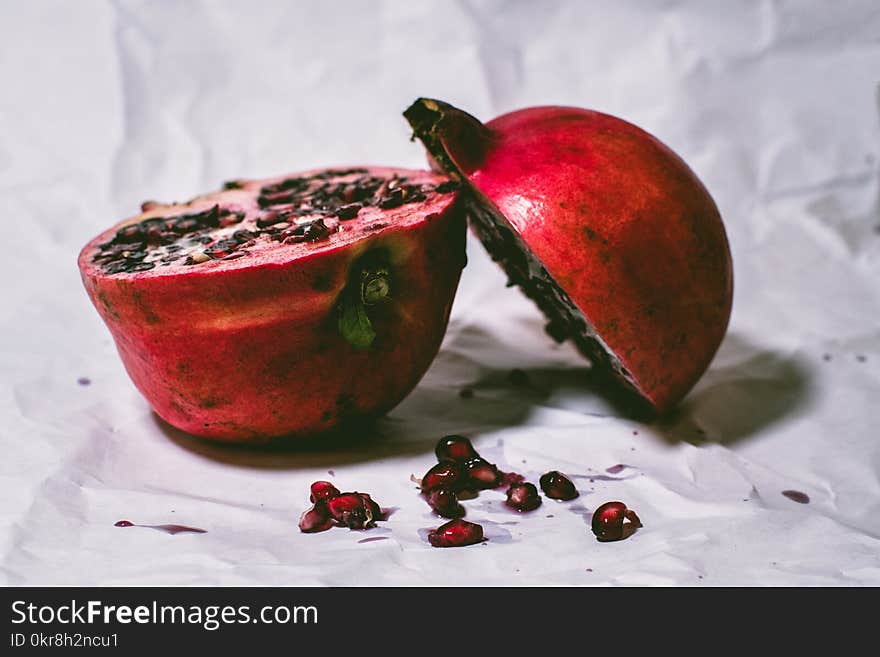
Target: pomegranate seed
{"points": [[608, 522], [455, 448], [323, 490], [445, 503], [456, 533], [350, 510], [523, 497], [316, 519], [443, 475], [557, 486], [482, 473], [375, 511]]}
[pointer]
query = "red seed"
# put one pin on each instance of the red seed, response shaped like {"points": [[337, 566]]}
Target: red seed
{"points": [[315, 520], [349, 510], [375, 511], [482, 474], [523, 497], [456, 533], [323, 490], [443, 475], [557, 486], [608, 522], [455, 448], [445, 503]]}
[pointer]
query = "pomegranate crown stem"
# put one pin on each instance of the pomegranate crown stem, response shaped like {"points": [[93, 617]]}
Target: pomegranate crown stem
{"points": [[455, 140]]}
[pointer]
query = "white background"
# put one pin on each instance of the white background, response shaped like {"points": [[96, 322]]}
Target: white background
{"points": [[773, 104]]}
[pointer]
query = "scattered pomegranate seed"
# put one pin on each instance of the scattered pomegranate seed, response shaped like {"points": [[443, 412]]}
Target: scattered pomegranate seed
{"points": [[445, 503], [608, 522], [455, 448], [323, 490], [447, 475], [374, 510], [482, 474], [456, 533], [316, 519], [557, 486], [349, 510], [523, 497]]}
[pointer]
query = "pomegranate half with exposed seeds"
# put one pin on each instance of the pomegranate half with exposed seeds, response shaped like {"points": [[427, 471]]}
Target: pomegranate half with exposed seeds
{"points": [[604, 227], [287, 306]]}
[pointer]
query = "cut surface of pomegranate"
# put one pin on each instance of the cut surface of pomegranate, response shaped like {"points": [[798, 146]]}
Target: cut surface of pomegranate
{"points": [[287, 306], [604, 227]]}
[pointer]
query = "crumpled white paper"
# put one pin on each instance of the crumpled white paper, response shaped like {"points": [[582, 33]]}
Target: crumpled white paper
{"points": [[774, 104]]}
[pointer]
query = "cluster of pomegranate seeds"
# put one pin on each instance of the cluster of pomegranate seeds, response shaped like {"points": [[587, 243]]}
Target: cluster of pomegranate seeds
{"points": [[609, 522], [459, 469], [557, 486], [333, 508], [456, 533]]}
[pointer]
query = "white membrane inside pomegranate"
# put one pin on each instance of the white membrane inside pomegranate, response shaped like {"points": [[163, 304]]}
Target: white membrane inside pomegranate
{"points": [[251, 218]]}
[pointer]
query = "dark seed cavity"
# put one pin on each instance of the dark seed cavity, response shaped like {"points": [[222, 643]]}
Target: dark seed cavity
{"points": [[327, 198]]}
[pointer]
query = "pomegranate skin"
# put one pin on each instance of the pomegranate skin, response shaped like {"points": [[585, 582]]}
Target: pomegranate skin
{"points": [[604, 227], [248, 350]]}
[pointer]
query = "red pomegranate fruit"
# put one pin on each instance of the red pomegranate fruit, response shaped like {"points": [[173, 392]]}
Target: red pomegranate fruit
{"points": [[282, 307], [604, 227]]}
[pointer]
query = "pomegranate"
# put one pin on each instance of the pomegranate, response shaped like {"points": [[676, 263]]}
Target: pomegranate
{"points": [[608, 522], [523, 497], [456, 533], [557, 486], [282, 307], [605, 228]]}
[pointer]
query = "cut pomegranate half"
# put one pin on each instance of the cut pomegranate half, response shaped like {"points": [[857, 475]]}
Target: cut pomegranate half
{"points": [[603, 227]]}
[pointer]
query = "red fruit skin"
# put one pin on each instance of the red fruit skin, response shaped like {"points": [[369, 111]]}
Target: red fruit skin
{"points": [[620, 223], [247, 350]]}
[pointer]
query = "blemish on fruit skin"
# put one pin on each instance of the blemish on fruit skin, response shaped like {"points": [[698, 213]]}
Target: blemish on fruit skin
{"points": [[84, 381]]}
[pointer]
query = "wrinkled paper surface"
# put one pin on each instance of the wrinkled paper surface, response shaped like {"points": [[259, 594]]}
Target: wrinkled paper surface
{"points": [[773, 104]]}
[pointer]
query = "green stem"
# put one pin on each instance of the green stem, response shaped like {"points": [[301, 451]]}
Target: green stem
{"points": [[371, 287]]}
